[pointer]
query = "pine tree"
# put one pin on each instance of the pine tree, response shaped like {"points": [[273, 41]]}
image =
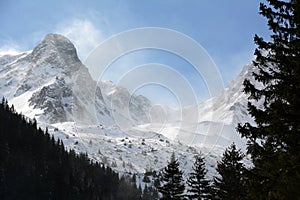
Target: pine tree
{"points": [[199, 185], [274, 142], [172, 181], [230, 184]]}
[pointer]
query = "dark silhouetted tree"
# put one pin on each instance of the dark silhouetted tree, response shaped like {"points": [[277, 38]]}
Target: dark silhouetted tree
{"points": [[274, 142], [35, 166], [199, 185], [172, 181], [230, 184]]}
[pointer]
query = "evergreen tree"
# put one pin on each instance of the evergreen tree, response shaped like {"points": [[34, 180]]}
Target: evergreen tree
{"points": [[274, 142], [172, 181], [199, 185], [34, 166], [230, 184]]}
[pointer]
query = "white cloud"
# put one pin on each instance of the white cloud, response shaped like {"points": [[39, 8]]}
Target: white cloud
{"points": [[9, 49], [86, 37], [83, 33]]}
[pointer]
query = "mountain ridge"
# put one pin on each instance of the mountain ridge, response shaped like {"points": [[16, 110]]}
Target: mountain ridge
{"points": [[51, 84]]}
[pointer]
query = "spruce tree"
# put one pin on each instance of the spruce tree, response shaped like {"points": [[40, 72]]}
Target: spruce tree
{"points": [[199, 185], [230, 184], [172, 181], [274, 141]]}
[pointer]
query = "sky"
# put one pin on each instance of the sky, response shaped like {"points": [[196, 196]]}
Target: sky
{"points": [[224, 29]]}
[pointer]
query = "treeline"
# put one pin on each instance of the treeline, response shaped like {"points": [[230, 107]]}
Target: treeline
{"points": [[273, 142], [229, 183], [33, 165], [36, 166]]}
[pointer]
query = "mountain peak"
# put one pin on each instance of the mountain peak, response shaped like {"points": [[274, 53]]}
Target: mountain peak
{"points": [[57, 40], [55, 45]]}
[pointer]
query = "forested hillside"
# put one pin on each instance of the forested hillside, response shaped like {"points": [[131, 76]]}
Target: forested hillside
{"points": [[36, 166]]}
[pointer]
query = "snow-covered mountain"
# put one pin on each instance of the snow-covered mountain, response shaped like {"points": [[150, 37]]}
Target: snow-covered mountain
{"points": [[212, 123], [51, 84]]}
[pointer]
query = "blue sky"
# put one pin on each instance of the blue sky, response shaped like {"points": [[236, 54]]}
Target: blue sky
{"points": [[225, 29]]}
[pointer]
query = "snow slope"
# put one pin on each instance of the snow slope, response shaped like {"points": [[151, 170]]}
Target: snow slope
{"points": [[52, 85]]}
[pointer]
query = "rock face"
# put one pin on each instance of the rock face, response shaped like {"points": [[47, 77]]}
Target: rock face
{"points": [[230, 107], [55, 100], [54, 56], [57, 51]]}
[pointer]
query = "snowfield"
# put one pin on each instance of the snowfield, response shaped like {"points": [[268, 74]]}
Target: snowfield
{"points": [[52, 85]]}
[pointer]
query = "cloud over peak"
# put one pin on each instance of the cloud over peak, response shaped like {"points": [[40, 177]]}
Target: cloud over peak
{"points": [[83, 33]]}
